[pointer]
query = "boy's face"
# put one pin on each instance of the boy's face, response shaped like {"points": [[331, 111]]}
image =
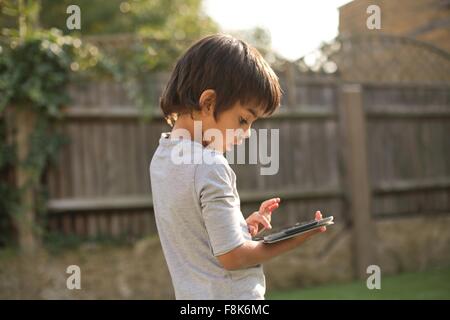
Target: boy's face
{"points": [[233, 124]]}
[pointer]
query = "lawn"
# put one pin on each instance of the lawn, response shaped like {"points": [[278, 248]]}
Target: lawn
{"points": [[433, 284]]}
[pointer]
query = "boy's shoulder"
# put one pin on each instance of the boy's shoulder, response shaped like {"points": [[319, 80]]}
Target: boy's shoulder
{"points": [[212, 163]]}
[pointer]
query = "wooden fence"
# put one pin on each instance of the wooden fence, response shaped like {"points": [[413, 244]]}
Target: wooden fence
{"points": [[355, 151]]}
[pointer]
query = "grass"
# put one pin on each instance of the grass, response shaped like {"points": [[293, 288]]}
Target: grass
{"points": [[432, 284]]}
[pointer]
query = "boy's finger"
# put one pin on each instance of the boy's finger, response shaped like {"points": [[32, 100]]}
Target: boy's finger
{"points": [[318, 215], [269, 210], [273, 207], [267, 203], [264, 221], [252, 230]]}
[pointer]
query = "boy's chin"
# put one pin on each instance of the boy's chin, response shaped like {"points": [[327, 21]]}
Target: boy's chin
{"points": [[224, 148], [228, 148]]}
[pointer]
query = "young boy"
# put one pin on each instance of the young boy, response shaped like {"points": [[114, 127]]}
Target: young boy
{"points": [[219, 84]]}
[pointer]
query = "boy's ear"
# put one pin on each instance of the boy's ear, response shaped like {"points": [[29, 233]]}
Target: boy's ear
{"points": [[207, 101]]}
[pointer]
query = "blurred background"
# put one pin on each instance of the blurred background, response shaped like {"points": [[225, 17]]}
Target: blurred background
{"points": [[364, 136]]}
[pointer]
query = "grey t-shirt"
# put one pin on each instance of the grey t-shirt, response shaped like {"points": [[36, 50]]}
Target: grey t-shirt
{"points": [[198, 217]]}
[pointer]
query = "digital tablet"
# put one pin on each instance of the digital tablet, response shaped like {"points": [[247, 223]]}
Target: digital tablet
{"points": [[295, 230]]}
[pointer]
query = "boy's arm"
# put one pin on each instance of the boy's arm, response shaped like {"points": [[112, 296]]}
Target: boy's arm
{"points": [[252, 253]]}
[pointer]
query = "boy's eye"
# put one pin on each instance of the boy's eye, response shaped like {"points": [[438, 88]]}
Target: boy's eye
{"points": [[242, 121]]}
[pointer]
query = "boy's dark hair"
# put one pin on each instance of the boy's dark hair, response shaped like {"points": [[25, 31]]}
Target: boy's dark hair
{"points": [[233, 69]]}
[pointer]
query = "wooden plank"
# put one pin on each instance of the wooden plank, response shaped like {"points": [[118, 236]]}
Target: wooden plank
{"points": [[52, 179], [67, 224], [112, 112], [91, 225], [98, 156], [88, 204], [142, 158], [110, 160], [295, 145], [124, 219], [446, 147], [122, 145], [320, 155], [412, 186], [103, 224], [394, 113], [388, 158], [140, 165], [87, 147], [285, 155], [145, 201], [131, 167], [131, 112], [115, 224], [289, 163], [79, 225], [291, 83], [148, 222], [135, 224], [331, 153], [76, 163], [305, 166], [275, 181], [139, 223], [65, 177], [298, 154], [404, 85], [314, 151], [374, 149]]}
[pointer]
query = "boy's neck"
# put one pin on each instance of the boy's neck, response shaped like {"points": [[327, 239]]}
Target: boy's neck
{"points": [[186, 122]]}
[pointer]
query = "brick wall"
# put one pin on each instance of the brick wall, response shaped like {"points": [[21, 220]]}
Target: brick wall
{"points": [[426, 20]]}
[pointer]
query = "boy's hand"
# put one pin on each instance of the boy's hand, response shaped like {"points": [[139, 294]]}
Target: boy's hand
{"points": [[319, 217], [262, 216]]}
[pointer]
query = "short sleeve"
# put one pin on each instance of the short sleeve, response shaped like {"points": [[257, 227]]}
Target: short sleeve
{"points": [[220, 207]]}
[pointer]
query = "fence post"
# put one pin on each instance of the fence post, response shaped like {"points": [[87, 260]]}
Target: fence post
{"points": [[23, 122], [352, 124], [291, 84]]}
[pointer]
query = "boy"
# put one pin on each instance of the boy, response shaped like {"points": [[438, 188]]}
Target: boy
{"points": [[219, 84]]}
